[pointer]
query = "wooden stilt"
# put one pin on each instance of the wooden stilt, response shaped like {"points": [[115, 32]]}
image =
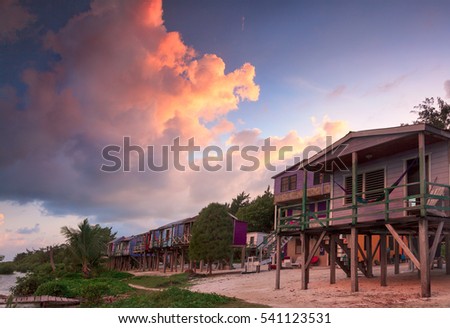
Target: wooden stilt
{"points": [[304, 256], [436, 241], [354, 259], [447, 254], [396, 258], [243, 257], [201, 265], [424, 259], [165, 261], [411, 247], [278, 259], [333, 259], [369, 263], [383, 260], [308, 253], [182, 260]]}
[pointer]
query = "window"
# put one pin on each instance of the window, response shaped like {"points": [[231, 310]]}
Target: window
{"points": [[289, 183], [320, 178], [368, 183], [252, 240]]}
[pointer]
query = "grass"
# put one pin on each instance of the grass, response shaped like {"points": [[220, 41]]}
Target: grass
{"points": [[178, 280], [172, 297]]}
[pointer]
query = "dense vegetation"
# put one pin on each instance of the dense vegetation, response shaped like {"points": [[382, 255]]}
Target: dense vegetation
{"points": [[212, 235]]}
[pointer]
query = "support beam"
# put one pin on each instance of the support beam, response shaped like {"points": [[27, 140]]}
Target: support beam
{"points": [[354, 187], [305, 254], [425, 281], [369, 263], [447, 254], [383, 260], [278, 259], [165, 261], [354, 259], [422, 174], [396, 258], [332, 253], [315, 248], [436, 241], [406, 249]]}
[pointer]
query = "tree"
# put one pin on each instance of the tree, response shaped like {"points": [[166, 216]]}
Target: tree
{"points": [[436, 113], [87, 244], [212, 235], [259, 214], [240, 201]]}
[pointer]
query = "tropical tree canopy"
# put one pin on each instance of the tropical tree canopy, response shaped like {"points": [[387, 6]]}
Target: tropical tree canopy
{"points": [[87, 244], [433, 112], [212, 235], [259, 214], [241, 200]]}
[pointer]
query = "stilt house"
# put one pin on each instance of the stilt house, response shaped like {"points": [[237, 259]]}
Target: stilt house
{"points": [[368, 186]]}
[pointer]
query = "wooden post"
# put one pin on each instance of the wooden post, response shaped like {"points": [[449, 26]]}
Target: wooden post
{"points": [[182, 260], [305, 218], [202, 263], [369, 263], [333, 259], [383, 260], [354, 259], [422, 174], [172, 260], [411, 247], [243, 257], [447, 254], [165, 261], [354, 188], [396, 258], [424, 259], [304, 256], [278, 259]]}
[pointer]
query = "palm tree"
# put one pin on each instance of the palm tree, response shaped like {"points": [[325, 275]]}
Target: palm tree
{"points": [[87, 244]]}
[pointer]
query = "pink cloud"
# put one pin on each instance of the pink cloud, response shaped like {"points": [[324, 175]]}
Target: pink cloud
{"points": [[13, 19], [337, 92]]}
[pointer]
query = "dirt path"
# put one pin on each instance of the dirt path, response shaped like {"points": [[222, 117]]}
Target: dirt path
{"points": [[402, 290]]}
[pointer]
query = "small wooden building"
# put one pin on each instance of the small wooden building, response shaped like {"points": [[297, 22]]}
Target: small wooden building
{"points": [[375, 184]]}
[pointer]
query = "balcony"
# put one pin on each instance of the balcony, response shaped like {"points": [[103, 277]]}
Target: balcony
{"points": [[388, 207]]}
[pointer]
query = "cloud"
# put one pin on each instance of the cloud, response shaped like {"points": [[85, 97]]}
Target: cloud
{"points": [[119, 73], [337, 92], [2, 219], [13, 19], [391, 85], [28, 231], [447, 88]]}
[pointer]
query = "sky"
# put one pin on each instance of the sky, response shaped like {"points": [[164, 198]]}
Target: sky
{"points": [[78, 77]]}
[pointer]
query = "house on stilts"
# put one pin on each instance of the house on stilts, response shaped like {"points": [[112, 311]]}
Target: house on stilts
{"points": [[362, 191], [165, 247]]}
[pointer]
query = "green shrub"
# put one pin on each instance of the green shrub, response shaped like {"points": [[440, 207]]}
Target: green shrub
{"points": [[53, 288], [7, 268], [93, 293], [28, 284]]}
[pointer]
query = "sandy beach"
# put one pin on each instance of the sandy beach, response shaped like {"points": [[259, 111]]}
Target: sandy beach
{"points": [[403, 290]]}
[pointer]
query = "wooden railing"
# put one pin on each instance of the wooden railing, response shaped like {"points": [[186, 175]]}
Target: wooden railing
{"points": [[394, 204]]}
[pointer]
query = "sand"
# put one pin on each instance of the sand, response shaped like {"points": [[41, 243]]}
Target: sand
{"points": [[403, 290]]}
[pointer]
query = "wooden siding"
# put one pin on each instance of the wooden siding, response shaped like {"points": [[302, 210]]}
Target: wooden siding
{"points": [[394, 167]]}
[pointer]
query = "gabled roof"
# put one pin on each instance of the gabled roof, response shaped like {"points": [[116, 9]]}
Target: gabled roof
{"points": [[368, 139]]}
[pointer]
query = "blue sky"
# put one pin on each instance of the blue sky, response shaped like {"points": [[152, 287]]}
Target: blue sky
{"points": [[80, 75]]}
